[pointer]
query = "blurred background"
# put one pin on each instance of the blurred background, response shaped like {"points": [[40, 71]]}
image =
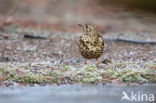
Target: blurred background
{"points": [[44, 34], [64, 14], [125, 19]]}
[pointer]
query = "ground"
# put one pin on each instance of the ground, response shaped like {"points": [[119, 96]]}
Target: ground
{"points": [[54, 58]]}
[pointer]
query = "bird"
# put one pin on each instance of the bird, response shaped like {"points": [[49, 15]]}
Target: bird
{"points": [[91, 43]]}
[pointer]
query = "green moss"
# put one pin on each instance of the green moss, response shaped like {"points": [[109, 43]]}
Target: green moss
{"points": [[90, 68], [30, 79], [151, 65], [110, 73], [133, 77], [126, 72], [66, 67], [88, 74], [11, 28]]}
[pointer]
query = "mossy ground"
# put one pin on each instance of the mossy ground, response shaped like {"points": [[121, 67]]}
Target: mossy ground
{"points": [[54, 58], [127, 72]]}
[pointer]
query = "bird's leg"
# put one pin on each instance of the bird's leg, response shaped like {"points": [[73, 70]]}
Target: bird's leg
{"points": [[92, 61], [106, 61], [85, 61], [97, 62]]}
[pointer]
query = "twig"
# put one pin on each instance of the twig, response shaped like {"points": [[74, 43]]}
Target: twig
{"points": [[5, 36], [5, 19], [34, 36], [129, 41]]}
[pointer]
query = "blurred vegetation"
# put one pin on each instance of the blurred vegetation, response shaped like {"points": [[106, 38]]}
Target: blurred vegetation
{"points": [[126, 72], [144, 4], [6, 6], [149, 5]]}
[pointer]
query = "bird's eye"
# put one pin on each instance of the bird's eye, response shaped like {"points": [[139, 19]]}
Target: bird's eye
{"points": [[88, 28]]}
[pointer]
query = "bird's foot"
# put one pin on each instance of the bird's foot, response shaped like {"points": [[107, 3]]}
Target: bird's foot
{"points": [[106, 61], [85, 62]]}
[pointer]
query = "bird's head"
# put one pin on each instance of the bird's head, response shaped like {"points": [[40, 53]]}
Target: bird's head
{"points": [[88, 29]]}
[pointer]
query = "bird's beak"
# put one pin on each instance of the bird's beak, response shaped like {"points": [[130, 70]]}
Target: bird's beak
{"points": [[82, 26]]}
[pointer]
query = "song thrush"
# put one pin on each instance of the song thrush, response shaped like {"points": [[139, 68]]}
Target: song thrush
{"points": [[91, 44]]}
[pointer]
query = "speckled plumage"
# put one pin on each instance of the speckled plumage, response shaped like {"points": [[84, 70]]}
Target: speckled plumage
{"points": [[91, 44]]}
